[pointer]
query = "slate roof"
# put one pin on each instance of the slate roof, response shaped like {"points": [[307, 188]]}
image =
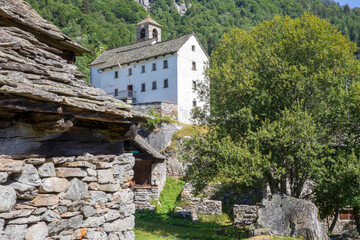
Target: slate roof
{"points": [[34, 77], [147, 148], [139, 51], [18, 13]]}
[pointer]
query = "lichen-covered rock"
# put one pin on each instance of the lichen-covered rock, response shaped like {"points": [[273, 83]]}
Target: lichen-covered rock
{"points": [[105, 176], [35, 161], [50, 216], [120, 225], [287, 216], [45, 200], [70, 172], [7, 198]]}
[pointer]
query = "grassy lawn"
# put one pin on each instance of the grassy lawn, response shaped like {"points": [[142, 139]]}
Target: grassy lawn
{"points": [[153, 226]]}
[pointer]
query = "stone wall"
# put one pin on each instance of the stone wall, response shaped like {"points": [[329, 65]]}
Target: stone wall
{"points": [[67, 197], [162, 108], [143, 197], [196, 205], [244, 214]]}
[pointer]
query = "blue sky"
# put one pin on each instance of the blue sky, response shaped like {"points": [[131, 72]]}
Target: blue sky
{"points": [[351, 3]]}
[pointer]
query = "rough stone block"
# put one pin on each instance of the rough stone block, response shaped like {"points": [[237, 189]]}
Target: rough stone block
{"points": [[93, 222], [70, 172], [96, 197], [45, 200], [88, 211], [105, 176], [16, 214], [77, 190], [29, 176], [35, 161], [103, 165], [96, 235], [75, 222], [91, 172], [50, 216], [3, 177], [60, 160], [47, 170], [16, 232], [7, 198], [111, 215], [23, 191], [120, 225], [26, 220], [38, 231], [54, 184], [9, 165]]}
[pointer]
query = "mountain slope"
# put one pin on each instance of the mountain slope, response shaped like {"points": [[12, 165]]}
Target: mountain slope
{"points": [[101, 24]]}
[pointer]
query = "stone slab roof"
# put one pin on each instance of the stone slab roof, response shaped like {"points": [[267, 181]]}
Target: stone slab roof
{"points": [[139, 51], [147, 148], [18, 13], [33, 77], [148, 19]]}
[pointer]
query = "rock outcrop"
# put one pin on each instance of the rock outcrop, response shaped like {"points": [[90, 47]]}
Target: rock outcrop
{"points": [[287, 216]]}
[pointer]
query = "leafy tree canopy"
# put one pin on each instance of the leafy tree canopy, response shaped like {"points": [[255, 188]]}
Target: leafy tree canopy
{"points": [[283, 99]]}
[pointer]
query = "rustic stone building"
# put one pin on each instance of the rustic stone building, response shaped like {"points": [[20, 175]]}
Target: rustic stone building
{"points": [[63, 170], [149, 173]]}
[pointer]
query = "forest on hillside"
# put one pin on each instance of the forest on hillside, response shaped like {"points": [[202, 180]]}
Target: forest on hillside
{"points": [[102, 24]]}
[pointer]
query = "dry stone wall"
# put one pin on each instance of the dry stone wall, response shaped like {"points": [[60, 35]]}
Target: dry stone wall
{"points": [[78, 197], [161, 108]]}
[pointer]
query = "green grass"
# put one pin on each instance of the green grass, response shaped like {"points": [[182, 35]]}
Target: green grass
{"points": [[153, 226], [189, 130], [170, 196]]}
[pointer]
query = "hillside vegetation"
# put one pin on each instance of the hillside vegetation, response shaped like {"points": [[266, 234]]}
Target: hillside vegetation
{"points": [[101, 24]]}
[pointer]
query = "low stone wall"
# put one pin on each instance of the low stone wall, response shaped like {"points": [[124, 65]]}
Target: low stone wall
{"points": [[195, 205], [67, 198], [162, 108], [143, 197], [244, 214]]}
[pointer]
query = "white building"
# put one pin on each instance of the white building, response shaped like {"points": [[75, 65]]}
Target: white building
{"points": [[151, 72]]}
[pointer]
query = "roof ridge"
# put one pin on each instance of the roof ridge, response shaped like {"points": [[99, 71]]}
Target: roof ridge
{"points": [[126, 45], [155, 43]]}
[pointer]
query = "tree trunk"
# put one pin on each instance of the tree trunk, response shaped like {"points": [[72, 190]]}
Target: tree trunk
{"points": [[332, 226], [357, 218]]}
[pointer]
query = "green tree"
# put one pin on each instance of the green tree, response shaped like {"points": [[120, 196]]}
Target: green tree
{"points": [[280, 101], [85, 7], [347, 8]]}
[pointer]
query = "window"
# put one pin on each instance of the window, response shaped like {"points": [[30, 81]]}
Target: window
{"points": [[166, 83], [130, 71], [194, 66], [154, 66], [116, 92], [154, 86], [142, 33], [143, 87], [193, 48], [194, 103], [143, 69], [155, 34], [166, 64], [194, 85], [116, 74]]}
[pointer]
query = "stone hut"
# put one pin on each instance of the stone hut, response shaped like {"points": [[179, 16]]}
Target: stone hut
{"points": [[149, 173], [63, 170]]}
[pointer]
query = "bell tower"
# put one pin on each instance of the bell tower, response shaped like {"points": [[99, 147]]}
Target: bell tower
{"points": [[148, 29]]}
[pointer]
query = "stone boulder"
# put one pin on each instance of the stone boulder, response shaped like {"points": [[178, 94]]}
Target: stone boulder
{"points": [[161, 138], [289, 217]]}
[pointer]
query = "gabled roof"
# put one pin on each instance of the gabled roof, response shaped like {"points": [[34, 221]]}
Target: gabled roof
{"points": [[19, 14], [147, 148], [148, 19], [139, 51]]}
